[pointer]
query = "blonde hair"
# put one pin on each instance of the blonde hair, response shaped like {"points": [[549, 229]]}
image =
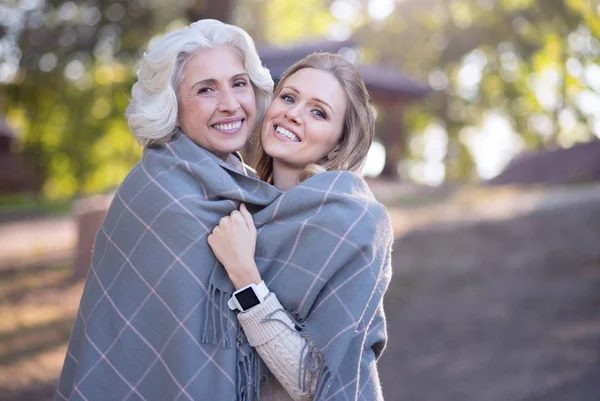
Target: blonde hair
{"points": [[359, 123], [152, 111]]}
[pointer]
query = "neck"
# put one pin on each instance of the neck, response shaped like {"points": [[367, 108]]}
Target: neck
{"points": [[284, 177]]}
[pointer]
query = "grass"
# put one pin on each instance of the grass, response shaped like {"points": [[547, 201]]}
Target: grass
{"points": [[16, 206]]}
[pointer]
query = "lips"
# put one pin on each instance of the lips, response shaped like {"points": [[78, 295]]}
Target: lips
{"points": [[285, 133], [229, 126]]}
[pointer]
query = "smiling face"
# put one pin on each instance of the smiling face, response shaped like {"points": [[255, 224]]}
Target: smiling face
{"points": [[305, 121], [216, 101]]}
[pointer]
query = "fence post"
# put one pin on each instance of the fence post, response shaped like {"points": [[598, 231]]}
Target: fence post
{"points": [[89, 215]]}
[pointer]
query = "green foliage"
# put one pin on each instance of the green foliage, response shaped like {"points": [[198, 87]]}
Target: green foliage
{"points": [[286, 21], [27, 205], [76, 71], [282, 22], [71, 90], [505, 56], [525, 47], [76, 140]]}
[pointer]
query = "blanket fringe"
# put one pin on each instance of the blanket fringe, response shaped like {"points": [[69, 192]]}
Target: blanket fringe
{"points": [[312, 366], [216, 326], [251, 371]]}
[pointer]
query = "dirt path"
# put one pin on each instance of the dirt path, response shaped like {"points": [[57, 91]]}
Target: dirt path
{"points": [[495, 297], [497, 310]]}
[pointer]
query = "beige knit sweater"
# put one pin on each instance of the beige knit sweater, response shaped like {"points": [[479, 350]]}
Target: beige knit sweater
{"points": [[279, 346]]}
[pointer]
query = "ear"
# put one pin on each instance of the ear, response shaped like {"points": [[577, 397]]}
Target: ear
{"points": [[333, 153]]}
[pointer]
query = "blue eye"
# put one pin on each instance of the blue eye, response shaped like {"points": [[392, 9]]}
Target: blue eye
{"points": [[287, 98], [319, 113]]}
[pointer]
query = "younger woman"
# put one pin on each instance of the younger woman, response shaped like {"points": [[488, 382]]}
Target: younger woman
{"points": [[310, 296]]}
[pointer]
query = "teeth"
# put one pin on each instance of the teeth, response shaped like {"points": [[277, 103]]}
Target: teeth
{"points": [[287, 134], [228, 127]]}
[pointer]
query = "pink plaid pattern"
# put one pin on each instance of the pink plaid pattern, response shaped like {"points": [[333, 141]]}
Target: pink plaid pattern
{"points": [[153, 324]]}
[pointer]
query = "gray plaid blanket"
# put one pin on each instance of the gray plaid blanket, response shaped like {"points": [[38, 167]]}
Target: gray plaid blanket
{"points": [[153, 322]]}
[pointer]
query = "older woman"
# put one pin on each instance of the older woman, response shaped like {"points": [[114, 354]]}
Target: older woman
{"points": [[150, 325]]}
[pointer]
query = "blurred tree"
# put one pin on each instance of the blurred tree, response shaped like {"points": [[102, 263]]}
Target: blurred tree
{"points": [[283, 22], [528, 61], [69, 91], [66, 71], [524, 60], [221, 10]]}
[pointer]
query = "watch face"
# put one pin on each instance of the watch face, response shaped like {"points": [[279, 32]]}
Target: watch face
{"points": [[247, 298]]}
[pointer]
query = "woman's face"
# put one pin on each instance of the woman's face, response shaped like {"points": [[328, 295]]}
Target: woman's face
{"points": [[305, 121], [216, 102]]}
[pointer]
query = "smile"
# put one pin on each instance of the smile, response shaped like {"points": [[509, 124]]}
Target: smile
{"points": [[228, 127], [286, 134]]}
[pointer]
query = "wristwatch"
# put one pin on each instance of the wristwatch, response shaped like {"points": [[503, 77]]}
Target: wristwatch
{"points": [[248, 296]]}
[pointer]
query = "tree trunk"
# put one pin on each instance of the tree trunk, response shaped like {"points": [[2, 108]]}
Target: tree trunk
{"points": [[393, 139], [221, 10]]}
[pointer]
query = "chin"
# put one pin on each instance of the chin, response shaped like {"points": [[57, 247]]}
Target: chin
{"points": [[237, 145], [273, 151], [224, 150]]}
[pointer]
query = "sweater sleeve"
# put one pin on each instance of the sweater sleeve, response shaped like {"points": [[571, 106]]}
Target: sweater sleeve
{"points": [[272, 333]]}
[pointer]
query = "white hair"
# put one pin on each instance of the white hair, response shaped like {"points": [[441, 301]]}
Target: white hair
{"points": [[152, 111]]}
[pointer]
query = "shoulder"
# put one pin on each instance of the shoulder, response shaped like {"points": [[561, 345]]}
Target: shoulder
{"points": [[346, 194], [352, 186], [339, 181]]}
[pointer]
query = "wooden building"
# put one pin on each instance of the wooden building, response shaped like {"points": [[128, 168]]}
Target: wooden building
{"points": [[15, 175]]}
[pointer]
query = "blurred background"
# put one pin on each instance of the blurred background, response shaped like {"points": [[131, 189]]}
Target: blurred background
{"points": [[487, 157]]}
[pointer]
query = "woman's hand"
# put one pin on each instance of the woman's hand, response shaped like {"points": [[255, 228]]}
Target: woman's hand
{"points": [[233, 242]]}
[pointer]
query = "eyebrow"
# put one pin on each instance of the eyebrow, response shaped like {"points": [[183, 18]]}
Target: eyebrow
{"points": [[213, 81], [314, 98]]}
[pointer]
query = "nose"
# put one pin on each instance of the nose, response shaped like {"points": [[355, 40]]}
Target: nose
{"points": [[228, 103], [293, 114]]}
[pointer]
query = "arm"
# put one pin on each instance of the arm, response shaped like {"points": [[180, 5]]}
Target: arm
{"points": [[272, 333], [267, 326]]}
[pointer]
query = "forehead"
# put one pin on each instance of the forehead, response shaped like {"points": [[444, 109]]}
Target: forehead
{"points": [[319, 84], [220, 62]]}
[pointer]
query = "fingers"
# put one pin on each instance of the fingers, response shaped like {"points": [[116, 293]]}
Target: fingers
{"points": [[246, 215], [214, 234], [236, 217]]}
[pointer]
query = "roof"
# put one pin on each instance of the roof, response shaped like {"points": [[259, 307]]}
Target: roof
{"points": [[380, 81], [577, 164]]}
